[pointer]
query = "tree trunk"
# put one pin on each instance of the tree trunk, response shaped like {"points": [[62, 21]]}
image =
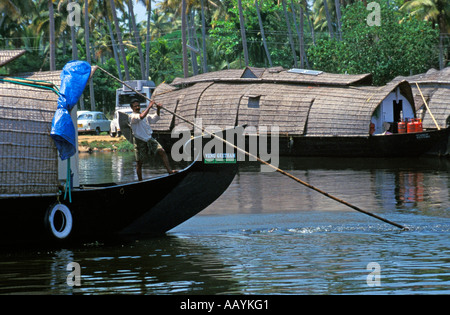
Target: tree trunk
{"points": [[119, 38], [137, 38], [74, 42], [327, 13], [73, 36], [88, 51], [337, 4], [261, 28], [52, 45], [305, 62], [311, 27], [147, 44], [190, 23], [205, 59], [243, 36], [114, 46], [183, 38], [291, 40], [299, 32]]}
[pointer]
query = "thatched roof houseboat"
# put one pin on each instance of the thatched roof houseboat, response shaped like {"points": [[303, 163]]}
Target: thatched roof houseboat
{"points": [[317, 113], [435, 87]]}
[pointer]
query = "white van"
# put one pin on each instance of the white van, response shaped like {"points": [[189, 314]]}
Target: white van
{"points": [[124, 96]]}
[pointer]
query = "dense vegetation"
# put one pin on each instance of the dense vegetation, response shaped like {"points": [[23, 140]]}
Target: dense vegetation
{"points": [[386, 38]]}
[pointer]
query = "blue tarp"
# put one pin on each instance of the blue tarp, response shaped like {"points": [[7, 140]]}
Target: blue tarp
{"points": [[74, 78]]}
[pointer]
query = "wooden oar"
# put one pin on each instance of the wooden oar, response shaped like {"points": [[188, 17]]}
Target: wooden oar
{"points": [[262, 161]]}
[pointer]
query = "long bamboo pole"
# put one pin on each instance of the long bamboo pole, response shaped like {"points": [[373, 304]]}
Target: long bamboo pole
{"points": [[428, 108], [264, 162]]}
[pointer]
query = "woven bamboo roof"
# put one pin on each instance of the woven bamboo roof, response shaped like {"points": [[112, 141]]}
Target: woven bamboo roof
{"points": [[276, 75], [347, 112], [6, 56], [296, 108], [435, 87], [28, 156]]}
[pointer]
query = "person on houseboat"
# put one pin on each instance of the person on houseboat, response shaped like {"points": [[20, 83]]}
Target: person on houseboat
{"points": [[144, 144]]}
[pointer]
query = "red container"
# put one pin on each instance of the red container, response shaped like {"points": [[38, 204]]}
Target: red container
{"points": [[402, 127], [410, 126], [418, 125]]}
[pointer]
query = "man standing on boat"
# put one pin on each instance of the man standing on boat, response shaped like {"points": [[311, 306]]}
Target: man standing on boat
{"points": [[144, 144]]}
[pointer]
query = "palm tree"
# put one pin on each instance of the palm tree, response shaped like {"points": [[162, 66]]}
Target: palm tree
{"points": [[136, 37], [120, 40], [183, 38], [205, 62], [16, 8], [328, 16], [310, 23], [148, 5], [322, 15], [261, 28], [88, 51], [15, 16], [52, 35], [103, 6], [291, 39], [299, 32], [337, 6], [192, 41], [435, 11], [243, 36]]}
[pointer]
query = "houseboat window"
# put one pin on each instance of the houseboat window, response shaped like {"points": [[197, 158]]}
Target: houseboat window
{"points": [[253, 101]]}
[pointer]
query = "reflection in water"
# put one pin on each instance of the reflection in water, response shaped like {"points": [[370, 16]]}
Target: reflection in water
{"points": [[383, 185], [410, 188], [268, 235], [166, 265], [378, 185], [299, 253]]}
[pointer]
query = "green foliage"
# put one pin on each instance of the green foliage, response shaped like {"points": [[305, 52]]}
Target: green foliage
{"points": [[105, 88], [226, 37], [401, 45], [165, 59]]}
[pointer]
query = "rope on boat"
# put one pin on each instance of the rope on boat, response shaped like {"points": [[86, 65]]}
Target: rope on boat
{"points": [[32, 83], [260, 160], [68, 185]]}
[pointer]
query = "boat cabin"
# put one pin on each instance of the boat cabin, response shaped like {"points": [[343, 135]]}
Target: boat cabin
{"points": [[392, 110], [300, 103]]}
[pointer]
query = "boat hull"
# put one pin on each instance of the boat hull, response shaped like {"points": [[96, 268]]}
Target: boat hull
{"points": [[111, 211], [395, 145], [432, 142]]}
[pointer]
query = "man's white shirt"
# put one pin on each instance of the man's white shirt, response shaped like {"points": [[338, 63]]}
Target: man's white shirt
{"points": [[141, 127]]}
